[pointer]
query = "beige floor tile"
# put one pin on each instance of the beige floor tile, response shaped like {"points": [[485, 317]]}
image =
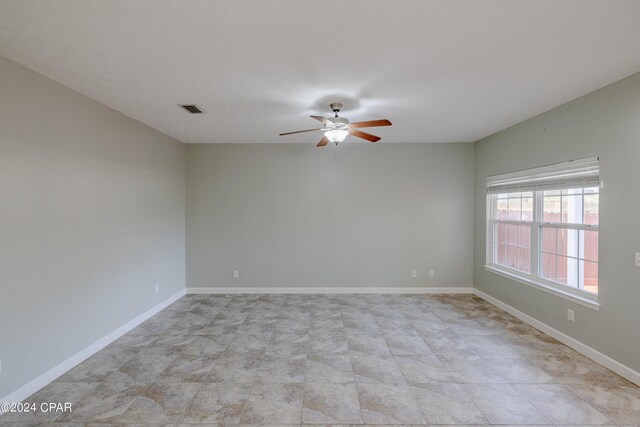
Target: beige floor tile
{"points": [[368, 368], [328, 344], [471, 370], [98, 367], [105, 403], [274, 403], [570, 370], [144, 368], [517, 369], [446, 404], [331, 403], [281, 370], [329, 368], [561, 406], [388, 404], [620, 405], [362, 324], [423, 369], [236, 367], [446, 343], [502, 404], [370, 344], [71, 392], [288, 346], [489, 345], [217, 403], [373, 359], [187, 369], [160, 403], [412, 345]]}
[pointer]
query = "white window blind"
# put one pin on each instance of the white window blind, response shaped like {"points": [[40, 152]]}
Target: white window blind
{"points": [[572, 174]]}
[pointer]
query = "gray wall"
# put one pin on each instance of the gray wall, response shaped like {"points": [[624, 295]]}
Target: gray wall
{"points": [[604, 123], [294, 215], [91, 217]]}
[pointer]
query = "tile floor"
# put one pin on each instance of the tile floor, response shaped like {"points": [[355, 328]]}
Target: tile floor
{"points": [[337, 359]]}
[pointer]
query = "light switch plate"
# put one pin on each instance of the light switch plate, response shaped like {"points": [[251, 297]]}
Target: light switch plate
{"points": [[637, 259]]}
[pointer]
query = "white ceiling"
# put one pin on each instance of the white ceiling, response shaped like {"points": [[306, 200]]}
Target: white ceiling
{"points": [[441, 71]]}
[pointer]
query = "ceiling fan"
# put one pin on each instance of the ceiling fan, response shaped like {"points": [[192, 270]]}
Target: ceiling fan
{"points": [[336, 129]]}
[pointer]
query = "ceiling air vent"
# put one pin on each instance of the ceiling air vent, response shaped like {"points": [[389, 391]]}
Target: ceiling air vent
{"points": [[193, 109]]}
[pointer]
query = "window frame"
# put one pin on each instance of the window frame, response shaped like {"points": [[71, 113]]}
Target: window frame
{"points": [[533, 278]]}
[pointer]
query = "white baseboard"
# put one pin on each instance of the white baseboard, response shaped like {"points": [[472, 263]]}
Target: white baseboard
{"points": [[33, 386], [593, 354], [330, 290]]}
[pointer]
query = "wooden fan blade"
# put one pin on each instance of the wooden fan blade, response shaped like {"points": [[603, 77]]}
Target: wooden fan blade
{"points": [[299, 131], [324, 141], [364, 135], [371, 123], [321, 119]]}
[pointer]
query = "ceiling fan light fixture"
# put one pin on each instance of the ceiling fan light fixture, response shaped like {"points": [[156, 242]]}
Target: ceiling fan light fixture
{"points": [[336, 135]]}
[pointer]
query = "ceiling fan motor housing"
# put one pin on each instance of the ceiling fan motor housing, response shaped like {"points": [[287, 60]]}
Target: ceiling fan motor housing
{"points": [[337, 123], [339, 120]]}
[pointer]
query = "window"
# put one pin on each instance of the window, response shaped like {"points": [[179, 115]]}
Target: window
{"points": [[543, 225]]}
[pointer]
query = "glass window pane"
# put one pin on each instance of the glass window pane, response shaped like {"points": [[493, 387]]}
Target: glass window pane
{"points": [[512, 257], [501, 255], [589, 245], [591, 209], [524, 236], [548, 267], [549, 240], [572, 209], [589, 276], [527, 209], [515, 206], [503, 209], [524, 260], [501, 233], [511, 234], [568, 271], [566, 256], [561, 270], [551, 209], [568, 242]]}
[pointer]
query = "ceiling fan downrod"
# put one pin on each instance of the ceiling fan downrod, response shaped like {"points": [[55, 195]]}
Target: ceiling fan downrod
{"points": [[336, 107]]}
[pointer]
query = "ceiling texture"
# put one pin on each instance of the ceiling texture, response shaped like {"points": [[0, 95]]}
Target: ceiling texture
{"points": [[441, 71]]}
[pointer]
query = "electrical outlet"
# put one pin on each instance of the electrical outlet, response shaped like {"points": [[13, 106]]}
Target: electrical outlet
{"points": [[637, 259], [414, 273], [432, 273], [235, 274], [157, 288], [571, 315]]}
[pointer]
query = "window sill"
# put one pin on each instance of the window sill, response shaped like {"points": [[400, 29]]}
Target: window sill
{"points": [[585, 301]]}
